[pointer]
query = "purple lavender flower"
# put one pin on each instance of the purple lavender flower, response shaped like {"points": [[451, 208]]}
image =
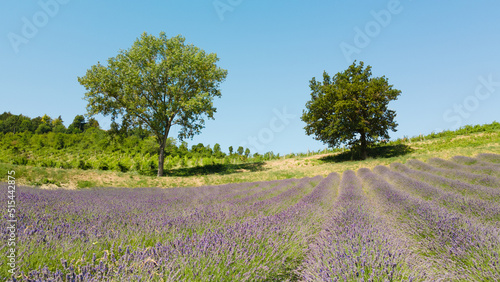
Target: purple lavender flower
{"points": [[401, 223], [469, 177]]}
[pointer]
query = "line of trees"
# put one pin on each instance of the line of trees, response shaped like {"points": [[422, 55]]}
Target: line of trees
{"points": [[40, 125], [38, 140]]}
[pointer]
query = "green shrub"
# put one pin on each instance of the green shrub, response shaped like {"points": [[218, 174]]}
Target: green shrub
{"points": [[48, 163], [121, 166], [64, 165], [83, 165], [103, 165], [152, 165], [22, 160], [168, 163], [207, 161], [183, 161], [48, 181], [175, 161], [85, 184], [137, 165]]}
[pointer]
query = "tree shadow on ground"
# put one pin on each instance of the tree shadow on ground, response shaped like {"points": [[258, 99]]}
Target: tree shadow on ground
{"points": [[220, 169], [380, 151]]}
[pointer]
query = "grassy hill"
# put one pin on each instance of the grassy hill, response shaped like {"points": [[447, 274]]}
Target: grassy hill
{"points": [[444, 145]]}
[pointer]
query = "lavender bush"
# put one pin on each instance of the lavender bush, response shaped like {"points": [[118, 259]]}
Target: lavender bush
{"points": [[481, 169], [487, 211], [487, 157], [466, 189], [464, 248], [474, 162], [469, 177], [355, 245]]}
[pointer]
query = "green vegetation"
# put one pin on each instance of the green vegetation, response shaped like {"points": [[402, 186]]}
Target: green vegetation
{"points": [[124, 158], [351, 108], [83, 145], [158, 83]]}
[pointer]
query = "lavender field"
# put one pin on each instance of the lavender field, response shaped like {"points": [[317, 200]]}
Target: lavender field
{"points": [[418, 221]]}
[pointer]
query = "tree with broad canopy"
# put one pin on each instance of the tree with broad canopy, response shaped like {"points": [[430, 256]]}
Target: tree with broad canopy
{"points": [[350, 108], [159, 82]]}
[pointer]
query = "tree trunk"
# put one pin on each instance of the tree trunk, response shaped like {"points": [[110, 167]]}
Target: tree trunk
{"points": [[363, 146], [161, 159], [162, 138]]}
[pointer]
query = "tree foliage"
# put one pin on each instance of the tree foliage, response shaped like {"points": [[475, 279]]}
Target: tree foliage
{"points": [[350, 108], [78, 124], [120, 148], [159, 82]]}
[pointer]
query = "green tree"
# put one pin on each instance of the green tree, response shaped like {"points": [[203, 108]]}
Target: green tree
{"points": [[91, 123], [171, 147], [240, 150], [217, 148], [57, 121], [207, 152], [12, 123], [183, 149], [159, 82], [47, 120], [59, 141], [230, 150], [114, 128], [198, 149], [247, 152], [35, 123], [139, 132], [350, 108], [78, 124], [25, 125], [5, 115], [43, 128], [58, 126], [218, 152]]}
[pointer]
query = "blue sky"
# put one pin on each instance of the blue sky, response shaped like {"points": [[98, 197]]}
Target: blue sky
{"points": [[443, 57]]}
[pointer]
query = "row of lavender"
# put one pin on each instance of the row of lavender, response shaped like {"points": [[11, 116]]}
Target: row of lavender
{"points": [[413, 222], [244, 231], [419, 221], [357, 244]]}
